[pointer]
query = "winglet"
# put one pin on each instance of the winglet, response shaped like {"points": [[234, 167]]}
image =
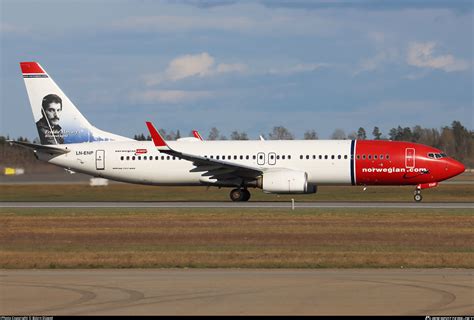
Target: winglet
{"points": [[197, 135], [158, 140]]}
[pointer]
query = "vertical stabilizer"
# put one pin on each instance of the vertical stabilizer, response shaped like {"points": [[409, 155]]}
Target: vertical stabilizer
{"points": [[57, 119]]}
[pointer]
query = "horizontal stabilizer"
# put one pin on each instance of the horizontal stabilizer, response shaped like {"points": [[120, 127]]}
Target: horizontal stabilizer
{"points": [[40, 147]]}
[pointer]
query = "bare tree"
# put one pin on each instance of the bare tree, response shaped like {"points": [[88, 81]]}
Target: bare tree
{"points": [[213, 134], [280, 133], [311, 135], [338, 134], [235, 135], [352, 136]]}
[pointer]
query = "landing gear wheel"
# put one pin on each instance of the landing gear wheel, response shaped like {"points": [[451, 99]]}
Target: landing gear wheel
{"points": [[237, 195], [418, 197], [246, 195]]}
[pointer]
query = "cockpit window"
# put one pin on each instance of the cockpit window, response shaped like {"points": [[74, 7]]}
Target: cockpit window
{"points": [[436, 155]]}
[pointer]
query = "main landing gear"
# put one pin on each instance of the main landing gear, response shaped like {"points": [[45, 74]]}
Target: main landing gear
{"points": [[240, 195]]}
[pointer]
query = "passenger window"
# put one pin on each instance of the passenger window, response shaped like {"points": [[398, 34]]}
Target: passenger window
{"points": [[326, 157], [139, 158], [156, 158], [381, 157], [133, 158], [339, 156], [235, 157], [254, 157], [217, 157], [247, 157], [144, 157], [387, 156], [278, 157], [121, 158], [283, 157], [289, 157], [320, 157], [271, 156], [358, 156], [332, 157], [260, 157], [167, 157], [369, 156], [375, 156], [363, 156], [307, 157], [128, 157], [162, 157], [301, 156], [345, 156]]}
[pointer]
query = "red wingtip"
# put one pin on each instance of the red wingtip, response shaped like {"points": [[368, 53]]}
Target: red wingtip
{"points": [[31, 67], [157, 139]]}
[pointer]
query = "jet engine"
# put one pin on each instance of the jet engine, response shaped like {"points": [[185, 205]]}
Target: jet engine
{"points": [[285, 182]]}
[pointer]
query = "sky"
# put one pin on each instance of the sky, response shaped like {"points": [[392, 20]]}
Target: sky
{"points": [[243, 65]]}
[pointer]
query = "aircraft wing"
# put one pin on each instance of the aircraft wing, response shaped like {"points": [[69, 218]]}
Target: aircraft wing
{"points": [[39, 147], [213, 168]]}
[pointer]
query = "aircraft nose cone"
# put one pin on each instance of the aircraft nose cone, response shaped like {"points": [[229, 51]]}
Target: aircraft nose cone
{"points": [[457, 167]]}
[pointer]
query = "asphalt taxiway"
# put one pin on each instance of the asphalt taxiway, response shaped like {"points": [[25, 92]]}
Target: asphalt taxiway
{"points": [[237, 292], [219, 204]]}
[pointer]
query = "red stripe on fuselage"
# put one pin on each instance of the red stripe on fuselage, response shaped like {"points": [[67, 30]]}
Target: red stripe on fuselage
{"points": [[30, 67]]}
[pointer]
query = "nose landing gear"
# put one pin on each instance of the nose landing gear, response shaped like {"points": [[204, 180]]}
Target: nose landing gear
{"points": [[417, 196], [240, 195]]}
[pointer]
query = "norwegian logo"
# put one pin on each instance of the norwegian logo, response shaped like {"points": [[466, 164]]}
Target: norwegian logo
{"points": [[141, 151]]}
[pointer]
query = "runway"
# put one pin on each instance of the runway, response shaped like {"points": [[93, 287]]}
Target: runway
{"points": [[218, 204], [237, 292]]}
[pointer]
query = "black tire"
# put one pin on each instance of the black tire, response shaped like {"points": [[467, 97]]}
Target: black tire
{"points": [[236, 195], [246, 195], [418, 197]]}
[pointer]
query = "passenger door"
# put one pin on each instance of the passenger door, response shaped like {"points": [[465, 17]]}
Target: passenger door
{"points": [[100, 159], [410, 157]]}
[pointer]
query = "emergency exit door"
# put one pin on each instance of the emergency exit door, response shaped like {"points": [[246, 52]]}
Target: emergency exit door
{"points": [[100, 159], [410, 157]]}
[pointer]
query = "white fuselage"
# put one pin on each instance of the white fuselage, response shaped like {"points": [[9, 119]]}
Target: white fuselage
{"points": [[140, 161]]}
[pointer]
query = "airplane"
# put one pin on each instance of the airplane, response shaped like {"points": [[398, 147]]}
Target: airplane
{"points": [[68, 140]]}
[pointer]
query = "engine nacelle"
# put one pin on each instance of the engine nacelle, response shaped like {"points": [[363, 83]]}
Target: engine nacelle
{"points": [[285, 181]]}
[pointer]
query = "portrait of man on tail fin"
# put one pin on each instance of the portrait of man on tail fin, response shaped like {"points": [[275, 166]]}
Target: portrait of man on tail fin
{"points": [[48, 126]]}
